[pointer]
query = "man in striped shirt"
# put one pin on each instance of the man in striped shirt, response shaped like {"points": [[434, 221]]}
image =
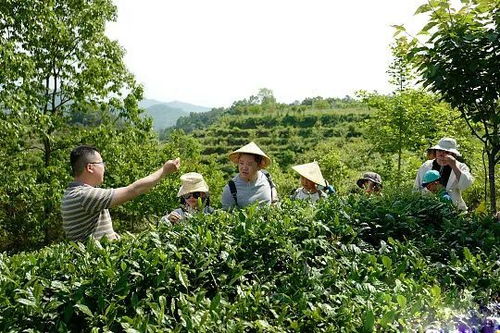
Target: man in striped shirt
{"points": [[84, 206]]}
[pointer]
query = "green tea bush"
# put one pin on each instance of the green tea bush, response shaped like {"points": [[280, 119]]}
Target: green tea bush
{"points": [[343, 265]]}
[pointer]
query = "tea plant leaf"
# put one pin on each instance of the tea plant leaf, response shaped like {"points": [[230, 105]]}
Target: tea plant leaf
{"points": [[181, 276], [387, 262], [368, 321], [215, 302], [401, 300], [436, 291], [26, 302], [85, 309]]}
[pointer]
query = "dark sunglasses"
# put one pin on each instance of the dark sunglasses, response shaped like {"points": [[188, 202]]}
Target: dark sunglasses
{"points": [[195, 195]]}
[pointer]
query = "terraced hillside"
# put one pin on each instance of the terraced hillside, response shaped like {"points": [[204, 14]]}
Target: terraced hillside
{"points": [[282, 134]]}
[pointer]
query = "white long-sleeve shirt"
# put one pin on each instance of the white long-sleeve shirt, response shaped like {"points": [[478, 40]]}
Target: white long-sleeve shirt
{"points": [[454, 187]]}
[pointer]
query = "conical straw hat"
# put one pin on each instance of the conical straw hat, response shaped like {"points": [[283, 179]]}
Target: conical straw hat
{"points": [[192, 182], [311, 171], [250, 148]]}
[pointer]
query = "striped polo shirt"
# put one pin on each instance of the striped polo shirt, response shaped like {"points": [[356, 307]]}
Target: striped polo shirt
{"points": [[85, 212]]}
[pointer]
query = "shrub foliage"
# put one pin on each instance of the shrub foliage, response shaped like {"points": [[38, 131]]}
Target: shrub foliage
{"points": [[354, 264]]}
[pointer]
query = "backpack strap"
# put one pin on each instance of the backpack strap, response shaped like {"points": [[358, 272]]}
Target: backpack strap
{"points": [[328, 189], [232, 188], [270, 180], [293, 194]]}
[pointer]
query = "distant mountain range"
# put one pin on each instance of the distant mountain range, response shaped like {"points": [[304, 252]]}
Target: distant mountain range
{"points": [[166, 114]]}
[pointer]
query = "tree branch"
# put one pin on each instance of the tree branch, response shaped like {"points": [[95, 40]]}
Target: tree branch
{"points": [[464, 115], [485, 175], [31, 148], [64, 102]]}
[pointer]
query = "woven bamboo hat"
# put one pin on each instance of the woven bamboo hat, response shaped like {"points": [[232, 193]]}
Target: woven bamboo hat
{"points": [[192, 182], [311, 171], [250, 148]]}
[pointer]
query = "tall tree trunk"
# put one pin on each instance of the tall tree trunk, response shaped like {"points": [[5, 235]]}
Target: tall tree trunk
{"points": [[48, 205], [47, 151], [491, 177], [399, 160]]}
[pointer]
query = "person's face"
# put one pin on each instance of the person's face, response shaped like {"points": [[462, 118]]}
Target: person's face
{"points": [[248, 167], [192, 199], [307, 184], [433, 187], [96, 168], [442, 157], [370, 187]]}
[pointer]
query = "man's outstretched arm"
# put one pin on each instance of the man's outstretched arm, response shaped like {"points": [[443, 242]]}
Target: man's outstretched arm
{"points": [[124, 194]]}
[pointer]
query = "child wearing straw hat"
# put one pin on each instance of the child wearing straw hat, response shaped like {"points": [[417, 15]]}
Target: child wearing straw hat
{"points": [[310, 179], [194, 197], [252, 183], [454, 175]]}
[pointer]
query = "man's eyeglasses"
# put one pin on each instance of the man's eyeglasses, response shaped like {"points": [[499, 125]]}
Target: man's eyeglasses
{"points": [[195, 195], [102, 162]]}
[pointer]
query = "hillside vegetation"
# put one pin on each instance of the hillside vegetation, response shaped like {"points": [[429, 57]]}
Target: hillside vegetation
{"points": [[283, 135]]}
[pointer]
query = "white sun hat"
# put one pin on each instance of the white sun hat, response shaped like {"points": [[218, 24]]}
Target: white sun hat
{"points": [[192, 182], [250, 148], [447, 144], [311, 171]]}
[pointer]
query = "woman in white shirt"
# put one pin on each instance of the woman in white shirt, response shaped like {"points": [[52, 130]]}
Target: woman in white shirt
{"points": [[454, 175]]}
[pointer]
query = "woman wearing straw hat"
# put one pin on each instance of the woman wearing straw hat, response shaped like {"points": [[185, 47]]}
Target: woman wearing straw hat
{"points": [[454, 175], [251, 184], [310, 178], [192, 189]]}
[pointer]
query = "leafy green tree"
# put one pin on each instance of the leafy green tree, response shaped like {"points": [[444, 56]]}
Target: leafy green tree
{"points": [[461, 61], [266, 99], [321, 104], [62, 83], [409, 120], [57, 62], [310, 100], [401, 73]]}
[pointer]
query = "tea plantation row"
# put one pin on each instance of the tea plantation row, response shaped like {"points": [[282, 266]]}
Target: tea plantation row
{"points": [[281, 136], [353, 264]]}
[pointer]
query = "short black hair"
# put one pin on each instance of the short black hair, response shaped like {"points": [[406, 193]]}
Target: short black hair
{"points": [[80, 157]]}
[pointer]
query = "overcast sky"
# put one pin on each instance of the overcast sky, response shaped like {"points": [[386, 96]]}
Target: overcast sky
{"points": [[212, 53]]}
